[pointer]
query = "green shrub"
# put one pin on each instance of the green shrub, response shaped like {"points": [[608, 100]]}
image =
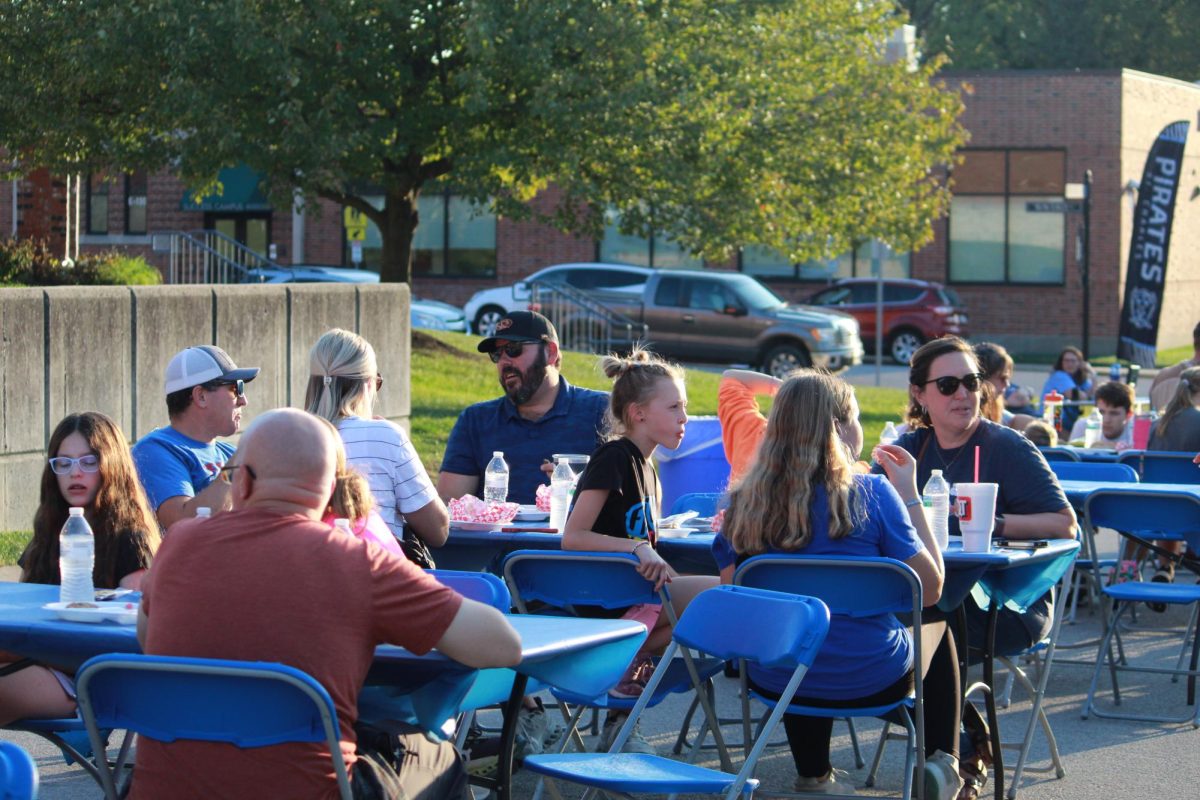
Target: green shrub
{"points": [[26, 262]]}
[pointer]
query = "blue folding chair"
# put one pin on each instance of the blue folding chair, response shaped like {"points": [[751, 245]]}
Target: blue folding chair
{"points": [[852, 586], [1053, 454], [1170, 516], [244, 703], [483, 587], [18, 773], [781, 631], [565, 580], [703, 503], [1090, 568], [1155, 466]]}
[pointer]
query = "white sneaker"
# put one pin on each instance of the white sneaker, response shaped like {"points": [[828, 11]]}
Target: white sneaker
{"points": [[636, 743], [830, 784], [942, 781], [531, 731]]}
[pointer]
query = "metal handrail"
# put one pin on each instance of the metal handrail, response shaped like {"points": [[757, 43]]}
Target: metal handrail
{"points": [[584, 323], [207, 256]]}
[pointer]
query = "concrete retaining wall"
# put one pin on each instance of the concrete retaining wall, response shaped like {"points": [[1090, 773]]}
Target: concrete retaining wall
{"points": [[70, 349]]}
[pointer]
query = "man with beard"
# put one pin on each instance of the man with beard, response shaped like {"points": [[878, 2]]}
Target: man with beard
{"points": [[540, 414]]}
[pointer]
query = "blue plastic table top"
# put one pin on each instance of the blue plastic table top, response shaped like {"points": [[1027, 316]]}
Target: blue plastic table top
{"points": [[1005, 575], [1077, 491], [584, 655]]}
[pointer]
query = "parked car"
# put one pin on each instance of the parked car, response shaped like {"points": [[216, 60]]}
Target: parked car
{"points": [[913, 312], [731, 318], [486, 307], [435, 315], [427, 314]]}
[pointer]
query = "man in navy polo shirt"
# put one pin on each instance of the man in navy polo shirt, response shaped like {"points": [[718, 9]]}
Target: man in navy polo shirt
{"points": [[540, 414]]}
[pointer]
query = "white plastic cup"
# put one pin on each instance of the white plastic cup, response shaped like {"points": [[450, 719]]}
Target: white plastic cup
{"points": [[975, 507]]}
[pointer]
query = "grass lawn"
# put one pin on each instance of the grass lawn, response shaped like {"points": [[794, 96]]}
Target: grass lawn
{"points": [[12, 543], [1164, 358]]}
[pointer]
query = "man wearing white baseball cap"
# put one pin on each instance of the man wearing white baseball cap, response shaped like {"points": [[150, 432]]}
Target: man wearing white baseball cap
{"points": [[178, 464]]}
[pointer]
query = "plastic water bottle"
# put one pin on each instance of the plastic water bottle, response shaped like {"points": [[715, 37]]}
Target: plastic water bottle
{"points": [[203, 512], [495, 479], [562, 490], [1114, 372], [889, 435], [76, 560], [936, 500], [1091, 429]]}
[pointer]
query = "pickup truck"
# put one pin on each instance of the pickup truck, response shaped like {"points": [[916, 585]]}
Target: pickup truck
{"points": [[731, 318]]}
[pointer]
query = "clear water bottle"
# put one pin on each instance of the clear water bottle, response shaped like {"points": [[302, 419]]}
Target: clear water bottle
{"points": [[562, 490], [889, 435], [1091, 428], [935, 497], [76, 560], [495, 479]]}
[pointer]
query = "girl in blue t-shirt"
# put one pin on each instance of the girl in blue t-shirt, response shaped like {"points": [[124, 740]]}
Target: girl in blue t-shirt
{"points": [[1072, 377], [804, 495]]}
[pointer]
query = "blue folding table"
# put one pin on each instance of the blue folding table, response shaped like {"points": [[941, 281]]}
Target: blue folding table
{"points": [[585, 655]]}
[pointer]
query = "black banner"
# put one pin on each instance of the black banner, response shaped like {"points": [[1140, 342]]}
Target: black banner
{"points": [[1146, 274]]}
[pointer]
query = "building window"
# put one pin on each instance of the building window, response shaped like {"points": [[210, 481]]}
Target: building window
{"points": [[97, 205], [455, 238], [997, 235], [135, 203], [765, 262], [656, 251]]}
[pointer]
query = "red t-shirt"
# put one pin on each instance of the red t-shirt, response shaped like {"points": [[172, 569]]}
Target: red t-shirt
{"points": [[260, 586]]}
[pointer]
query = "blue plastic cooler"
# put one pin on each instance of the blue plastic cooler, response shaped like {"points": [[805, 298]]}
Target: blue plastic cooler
{"points": [[698, 465]]}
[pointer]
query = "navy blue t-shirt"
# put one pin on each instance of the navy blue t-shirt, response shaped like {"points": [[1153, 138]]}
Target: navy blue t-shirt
{"points": [[574, 424], [1027, 484]]}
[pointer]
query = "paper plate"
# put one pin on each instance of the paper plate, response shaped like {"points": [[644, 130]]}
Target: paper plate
{"points": [[121, 613], [531, 514]]}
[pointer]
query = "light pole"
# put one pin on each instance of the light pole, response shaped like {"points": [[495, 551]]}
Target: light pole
{"points": [[1083, 247]]}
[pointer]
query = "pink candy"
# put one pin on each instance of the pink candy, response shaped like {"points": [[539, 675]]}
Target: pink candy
{"points": [[470, 508], [543, 498]]}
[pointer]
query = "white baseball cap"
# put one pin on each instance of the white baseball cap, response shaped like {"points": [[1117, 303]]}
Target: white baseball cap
{"points": [[197, 365]]}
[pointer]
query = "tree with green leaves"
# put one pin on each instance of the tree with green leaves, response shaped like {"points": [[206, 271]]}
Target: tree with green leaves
{"points": [[1155, 36], [720, 123]]}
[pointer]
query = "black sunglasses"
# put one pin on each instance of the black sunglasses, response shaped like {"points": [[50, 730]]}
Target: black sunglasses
{"points": [[239, 387], [512, 350], [949, 384]]}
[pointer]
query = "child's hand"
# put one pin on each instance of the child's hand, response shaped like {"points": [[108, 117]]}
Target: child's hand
{"points": [[652, 567], [900, 466]]}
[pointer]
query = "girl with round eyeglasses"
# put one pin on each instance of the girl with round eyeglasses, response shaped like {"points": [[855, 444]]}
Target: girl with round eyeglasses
{"points": [[89, 466]]}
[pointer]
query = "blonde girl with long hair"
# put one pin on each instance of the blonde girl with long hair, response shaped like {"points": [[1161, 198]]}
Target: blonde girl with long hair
{"points": [[617, 501], [803, 495]]}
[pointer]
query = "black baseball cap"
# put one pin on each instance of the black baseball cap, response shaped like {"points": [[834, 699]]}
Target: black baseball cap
{"points": [[520, 326]]}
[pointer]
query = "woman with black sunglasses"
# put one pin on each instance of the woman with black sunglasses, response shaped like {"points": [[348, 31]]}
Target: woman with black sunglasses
{"points": [[944, 415]]}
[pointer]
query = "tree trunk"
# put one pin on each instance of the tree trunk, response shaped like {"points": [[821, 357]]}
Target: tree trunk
{"points": [[400, 223]]}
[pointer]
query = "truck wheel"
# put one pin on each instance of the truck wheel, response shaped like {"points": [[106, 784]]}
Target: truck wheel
{"points": [[903, 344], [783, 358], [486, 319]]}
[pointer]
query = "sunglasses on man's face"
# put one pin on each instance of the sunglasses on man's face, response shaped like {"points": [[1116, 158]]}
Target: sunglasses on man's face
{"points": [[239, 387], [512, 350], [949, 384]]}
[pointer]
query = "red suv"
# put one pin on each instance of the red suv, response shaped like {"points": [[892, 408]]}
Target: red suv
{"points": [[913, 312]]}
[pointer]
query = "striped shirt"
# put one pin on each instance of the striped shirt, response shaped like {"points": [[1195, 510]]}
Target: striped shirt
{"points": [[382, 452]]}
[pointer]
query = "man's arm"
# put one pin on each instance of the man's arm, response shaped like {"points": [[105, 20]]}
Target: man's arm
{"points": [[431, 522], [450, 485], [480, 636], [173, 509], [1175, 371]]}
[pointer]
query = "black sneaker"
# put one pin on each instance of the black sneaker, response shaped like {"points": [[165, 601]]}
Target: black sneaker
{"points": [[1164, 574]]}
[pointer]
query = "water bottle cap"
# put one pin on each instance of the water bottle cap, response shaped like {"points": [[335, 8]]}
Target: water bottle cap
{"points": [[934, 472], [76, 511], [203, 511], [497, 454], [342, 523]]}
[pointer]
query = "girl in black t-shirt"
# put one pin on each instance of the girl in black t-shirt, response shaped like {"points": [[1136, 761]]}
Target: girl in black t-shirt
{"points": [[617, 499], [90, 466]]}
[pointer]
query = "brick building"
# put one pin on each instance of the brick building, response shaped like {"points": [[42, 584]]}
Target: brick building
{"points": [[1013, 261]]}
